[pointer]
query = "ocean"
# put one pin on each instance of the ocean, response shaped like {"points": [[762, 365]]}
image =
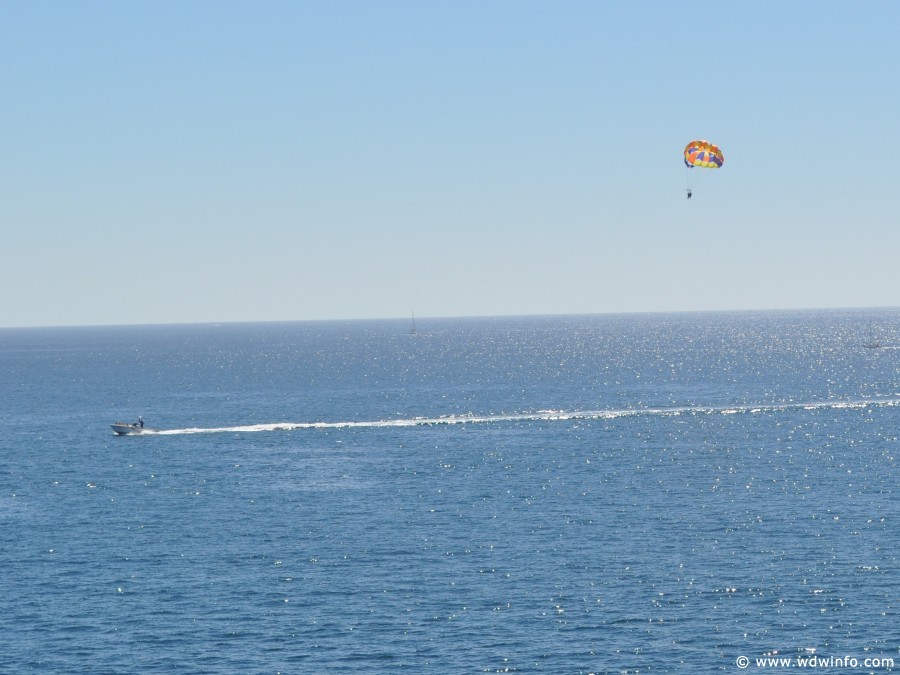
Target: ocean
{"points": [[585, 494]]}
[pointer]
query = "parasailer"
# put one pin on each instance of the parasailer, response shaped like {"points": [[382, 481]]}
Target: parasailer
{"points": [[702, 155]]}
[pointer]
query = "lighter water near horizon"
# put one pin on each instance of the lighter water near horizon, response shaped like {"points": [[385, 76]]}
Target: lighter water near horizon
{"points": [[585, 494]]}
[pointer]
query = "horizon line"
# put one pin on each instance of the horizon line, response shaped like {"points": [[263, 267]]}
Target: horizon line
{"points": [[769, 310]]}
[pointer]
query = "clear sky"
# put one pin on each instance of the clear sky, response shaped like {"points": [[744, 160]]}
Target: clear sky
{"points": [[170, 161]]}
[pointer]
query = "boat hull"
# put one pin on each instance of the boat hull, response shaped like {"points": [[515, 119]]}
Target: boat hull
{"points": [[123, 429]]}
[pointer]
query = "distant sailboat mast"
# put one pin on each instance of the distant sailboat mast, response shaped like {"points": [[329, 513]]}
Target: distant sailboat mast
{"points": [[412, 331]]}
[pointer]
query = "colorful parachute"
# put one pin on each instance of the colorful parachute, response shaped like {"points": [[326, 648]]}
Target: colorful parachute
{"points": [[703, 154]]}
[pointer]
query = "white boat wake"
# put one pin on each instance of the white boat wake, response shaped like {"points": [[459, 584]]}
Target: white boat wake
{"points": [[538, 416]]}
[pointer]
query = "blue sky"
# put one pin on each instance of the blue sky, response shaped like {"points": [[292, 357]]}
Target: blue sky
{"points": [[170, 162]]}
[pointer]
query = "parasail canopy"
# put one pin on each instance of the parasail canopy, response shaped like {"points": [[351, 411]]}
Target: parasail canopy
{"points": [[703, 154]]}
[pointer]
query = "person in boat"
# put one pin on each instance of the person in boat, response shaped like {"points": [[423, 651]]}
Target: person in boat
{"points": [[141, 422]]}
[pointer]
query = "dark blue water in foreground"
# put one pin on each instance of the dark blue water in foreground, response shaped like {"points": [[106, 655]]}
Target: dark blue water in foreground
{"points": [[659, 493]]}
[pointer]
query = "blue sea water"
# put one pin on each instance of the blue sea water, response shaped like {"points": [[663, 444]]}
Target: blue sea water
{"points": [[586, 494]]}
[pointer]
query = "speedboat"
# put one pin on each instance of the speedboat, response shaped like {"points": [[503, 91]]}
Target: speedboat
{"points": [[124, 429]]}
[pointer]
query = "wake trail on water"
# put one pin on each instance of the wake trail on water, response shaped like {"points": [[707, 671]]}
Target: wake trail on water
{"points": [[538, 416]]}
